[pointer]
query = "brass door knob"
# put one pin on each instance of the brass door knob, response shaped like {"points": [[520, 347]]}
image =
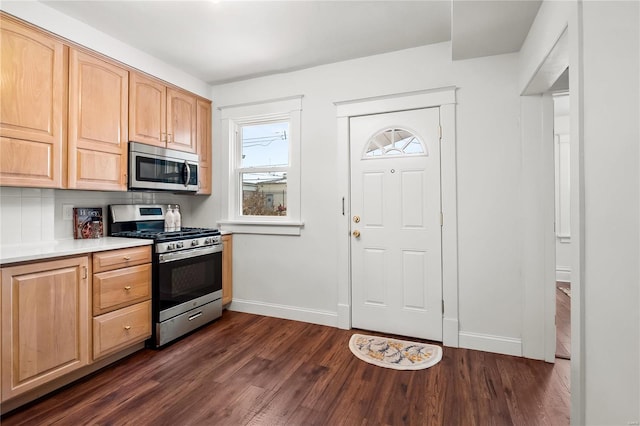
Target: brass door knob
{"points": [[356, 233], [356, 219]]}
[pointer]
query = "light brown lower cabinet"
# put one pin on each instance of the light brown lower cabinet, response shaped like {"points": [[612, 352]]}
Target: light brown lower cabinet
{"points": [[227, 269], [121, 299], [120, 328], [64, 318], [45, 322]]}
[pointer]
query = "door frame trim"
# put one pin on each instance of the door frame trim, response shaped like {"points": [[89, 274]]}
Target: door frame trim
{"points": [[445, 99]]}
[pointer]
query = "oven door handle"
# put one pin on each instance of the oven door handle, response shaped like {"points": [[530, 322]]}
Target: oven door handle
{"points": [[187, 254]]}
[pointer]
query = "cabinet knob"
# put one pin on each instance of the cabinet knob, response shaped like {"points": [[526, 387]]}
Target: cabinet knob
{"points": [[127, 258], [127, 327], [128, 288], [356, 233]]}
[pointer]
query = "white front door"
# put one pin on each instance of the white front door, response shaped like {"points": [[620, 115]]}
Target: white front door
{"points": [[396, 252]]}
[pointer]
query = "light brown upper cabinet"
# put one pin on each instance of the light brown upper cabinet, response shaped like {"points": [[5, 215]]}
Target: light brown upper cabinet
{"points": [[161, 115], [33, 107], [203, 134], [98, 134]]}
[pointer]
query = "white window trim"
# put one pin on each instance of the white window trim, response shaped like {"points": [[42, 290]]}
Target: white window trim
{"points": [[234, 116]]}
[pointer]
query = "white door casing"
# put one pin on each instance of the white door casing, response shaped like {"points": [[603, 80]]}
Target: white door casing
{"points": [[445, 99], [396, 261]]}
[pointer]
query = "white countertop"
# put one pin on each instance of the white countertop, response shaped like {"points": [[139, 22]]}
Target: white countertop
{"points": [[67, 247]]}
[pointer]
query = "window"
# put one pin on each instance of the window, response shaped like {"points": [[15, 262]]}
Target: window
{"points": [[264, 167], [394, 142]]}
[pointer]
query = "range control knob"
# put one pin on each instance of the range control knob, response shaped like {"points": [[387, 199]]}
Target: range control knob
{"points": [[194, 243], [179, 245], [171, 246], [208, 240]]}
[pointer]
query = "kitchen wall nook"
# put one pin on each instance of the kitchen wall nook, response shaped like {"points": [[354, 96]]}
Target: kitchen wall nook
{"points": [[68, 114]]}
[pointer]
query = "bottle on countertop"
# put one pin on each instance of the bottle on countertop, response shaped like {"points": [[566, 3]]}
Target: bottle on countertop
{"points": [[177, 218], [169, 220]]}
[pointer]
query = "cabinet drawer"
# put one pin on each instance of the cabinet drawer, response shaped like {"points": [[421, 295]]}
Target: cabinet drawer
{"points": [[119, 329], [114, 259], [121, 287]]}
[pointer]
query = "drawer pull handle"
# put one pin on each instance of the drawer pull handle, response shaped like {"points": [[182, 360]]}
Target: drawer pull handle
{"points": [[127, 258], [128, 288], [127, 327], [194, 316]]}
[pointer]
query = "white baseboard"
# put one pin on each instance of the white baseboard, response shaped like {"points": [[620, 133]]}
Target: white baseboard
{"points": [[489, 343], [563, 273], [286, 312]]}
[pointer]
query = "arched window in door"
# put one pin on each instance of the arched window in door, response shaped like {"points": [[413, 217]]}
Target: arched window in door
{"points": [[394, 142]]}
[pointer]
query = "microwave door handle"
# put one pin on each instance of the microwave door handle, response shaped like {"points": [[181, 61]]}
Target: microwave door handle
{"points": [[186, 166]]}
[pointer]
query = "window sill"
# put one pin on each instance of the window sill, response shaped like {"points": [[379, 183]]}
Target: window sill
{"points": [[262, 227]]}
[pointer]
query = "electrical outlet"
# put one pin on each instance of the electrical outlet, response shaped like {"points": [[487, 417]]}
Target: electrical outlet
{"points": [[67, 212]]}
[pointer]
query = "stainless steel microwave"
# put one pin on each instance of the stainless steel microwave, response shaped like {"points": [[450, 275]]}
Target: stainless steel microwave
{"points": [[153, 168]]}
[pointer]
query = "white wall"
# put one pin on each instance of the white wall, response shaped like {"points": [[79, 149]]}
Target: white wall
{"points": [[605, 227], [34, 215], [550, 23], [299, 274], [611, 93], [538, 236]]}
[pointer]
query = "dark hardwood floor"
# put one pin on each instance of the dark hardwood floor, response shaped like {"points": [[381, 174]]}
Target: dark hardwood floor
{"points": [[247, 369], [563, 322]]}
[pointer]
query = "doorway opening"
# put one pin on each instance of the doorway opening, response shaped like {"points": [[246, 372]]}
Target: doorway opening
{"points": [[562, 154]]}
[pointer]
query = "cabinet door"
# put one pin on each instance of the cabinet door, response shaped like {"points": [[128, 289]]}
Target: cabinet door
{"points": [[147, 110], [181, 120], [227, 269], [203, 136], [33, 108], [98, 113], [45, 323]]}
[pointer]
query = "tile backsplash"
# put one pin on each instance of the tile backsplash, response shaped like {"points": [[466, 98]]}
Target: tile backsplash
{"points": [[31, 215]]}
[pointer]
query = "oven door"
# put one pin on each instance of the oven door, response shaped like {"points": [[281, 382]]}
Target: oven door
{"points": [[187, 279], [159, 169]]}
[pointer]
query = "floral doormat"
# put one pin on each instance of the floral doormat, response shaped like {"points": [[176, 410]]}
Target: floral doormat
{"points": [[396, 354]]}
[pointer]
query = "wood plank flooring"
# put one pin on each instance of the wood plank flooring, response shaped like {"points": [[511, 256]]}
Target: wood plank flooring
{"points": [[563, 322], [251, 370]]}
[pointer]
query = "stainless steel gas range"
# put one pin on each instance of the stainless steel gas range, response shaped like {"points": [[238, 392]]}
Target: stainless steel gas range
{"points": [[186, 270]]}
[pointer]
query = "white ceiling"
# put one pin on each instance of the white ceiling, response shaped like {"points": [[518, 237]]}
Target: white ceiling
{"points": [[485, 28], [229, 40]]}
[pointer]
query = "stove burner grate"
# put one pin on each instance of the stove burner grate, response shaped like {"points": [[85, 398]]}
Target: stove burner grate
{"points": [[168, 236]]}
